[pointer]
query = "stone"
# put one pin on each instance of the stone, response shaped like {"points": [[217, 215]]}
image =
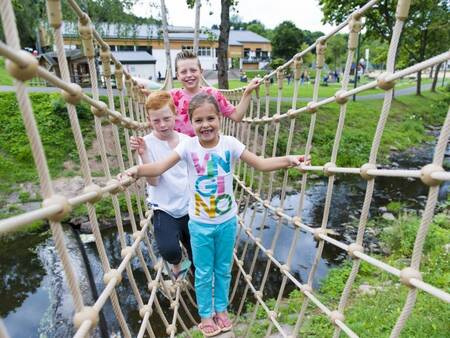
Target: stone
{"points": [[388, 216], [86, 227], [382, 210]]}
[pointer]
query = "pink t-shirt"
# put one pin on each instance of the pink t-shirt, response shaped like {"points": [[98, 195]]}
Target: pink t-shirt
{"points": [[181, 100]]}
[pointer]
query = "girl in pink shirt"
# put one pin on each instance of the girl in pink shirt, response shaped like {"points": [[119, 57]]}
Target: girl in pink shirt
{"points": [[189, 71]]}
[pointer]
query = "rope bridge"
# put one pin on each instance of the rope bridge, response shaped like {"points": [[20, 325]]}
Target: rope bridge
{"points": [[252, 187]]}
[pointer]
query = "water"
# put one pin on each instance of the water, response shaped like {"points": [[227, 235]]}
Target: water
{"points": [[35, 301]]}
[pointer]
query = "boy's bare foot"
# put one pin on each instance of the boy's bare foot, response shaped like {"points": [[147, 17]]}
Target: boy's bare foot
{"points": [[209, 327], [222, 321]]}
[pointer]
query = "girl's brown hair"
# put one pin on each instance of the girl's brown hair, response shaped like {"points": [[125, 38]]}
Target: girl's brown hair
{"points": [[185, 55], [199, 100]]}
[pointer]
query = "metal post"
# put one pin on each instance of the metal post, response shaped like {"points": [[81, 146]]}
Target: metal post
{"points": [[356, 64], [445, 71]]}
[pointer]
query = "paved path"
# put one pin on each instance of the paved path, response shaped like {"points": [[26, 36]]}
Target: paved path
{"points": [[398, 92]]}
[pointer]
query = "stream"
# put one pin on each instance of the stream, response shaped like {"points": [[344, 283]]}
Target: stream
{"points": [[35, 300]]}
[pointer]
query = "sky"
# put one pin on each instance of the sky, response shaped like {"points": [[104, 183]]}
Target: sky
{"points": [[306, 14]]}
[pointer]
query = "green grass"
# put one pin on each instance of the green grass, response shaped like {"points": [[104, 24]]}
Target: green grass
{"points": [[306, 90], [5, 79], [406, 127], [374, 315], [17, 163]]}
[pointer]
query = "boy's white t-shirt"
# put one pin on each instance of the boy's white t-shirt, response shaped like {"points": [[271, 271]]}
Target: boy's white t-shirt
{"points": [[210, 172], [172, 192]]}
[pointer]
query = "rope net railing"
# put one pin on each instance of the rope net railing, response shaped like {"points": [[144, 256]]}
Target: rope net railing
{"points": [[259, 130]]}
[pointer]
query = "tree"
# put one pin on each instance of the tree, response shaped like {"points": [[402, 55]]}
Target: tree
{"points": [[257, 27], [422, 35], [286, 40], [336, 52], [222, 52], [311, 37]]}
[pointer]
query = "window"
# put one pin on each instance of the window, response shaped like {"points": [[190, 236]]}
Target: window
{"points": [[125, 48], [258, 53], [246, 53], [147, 49], [264, 55], [204, 51]]}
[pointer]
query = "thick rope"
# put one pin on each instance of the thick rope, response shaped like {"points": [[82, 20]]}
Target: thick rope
{"points": [[250, 132]]}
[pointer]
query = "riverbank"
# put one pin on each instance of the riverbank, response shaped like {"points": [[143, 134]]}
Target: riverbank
{"points": [[407, 125], [376, 298]]}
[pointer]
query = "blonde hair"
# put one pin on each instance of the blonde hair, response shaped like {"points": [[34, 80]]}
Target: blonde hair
{"points": [[199, 100], [186, 55], [159, 99]]}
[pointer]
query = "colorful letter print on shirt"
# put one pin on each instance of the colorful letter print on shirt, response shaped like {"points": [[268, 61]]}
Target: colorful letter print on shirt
{"points": [[210, 193]]}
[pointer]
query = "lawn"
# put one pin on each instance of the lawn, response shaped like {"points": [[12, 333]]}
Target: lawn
{"points": [[5, 79], [306, 90]]}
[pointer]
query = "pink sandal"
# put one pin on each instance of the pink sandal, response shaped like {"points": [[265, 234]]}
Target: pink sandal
{"points": [[223, 322], [203, 328]]}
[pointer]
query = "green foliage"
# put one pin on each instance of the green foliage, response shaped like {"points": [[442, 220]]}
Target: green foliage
{"points": [[5, 79], [336, 52], [400, 237], [394, 206], [54, 127], [286, 40], [276, 62]]}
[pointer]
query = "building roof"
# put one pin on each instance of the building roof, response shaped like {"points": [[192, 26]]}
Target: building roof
{"points": [[71, 54], [153, 32], [134, 57]]}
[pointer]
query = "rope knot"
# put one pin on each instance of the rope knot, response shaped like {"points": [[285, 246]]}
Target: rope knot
{"points": [[86, 30], [402, 11], [94, 188], [105, 57], [319, 232], [336, 315], [113, 273], [100, 109], [354, 247], [427, 172], [118, 74], [364, 171], [409, 273], [54, 13], [383, 82], [74, 95], [144, 310], [311, 107], [26, 70], [127, 251], [60, 201], [115, 117], [340, 96], [88, 313]]}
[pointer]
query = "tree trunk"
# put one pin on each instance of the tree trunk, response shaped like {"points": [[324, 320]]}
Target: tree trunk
{"points": [[435, 78], [419, 82], [222, 57], [197, 25], [430, 76], [169, 74]]}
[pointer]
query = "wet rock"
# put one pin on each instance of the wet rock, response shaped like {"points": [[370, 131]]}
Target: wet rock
{"points": [[86, 227], [87, 238], [388, 216], [382, 210], [77, 221]]}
